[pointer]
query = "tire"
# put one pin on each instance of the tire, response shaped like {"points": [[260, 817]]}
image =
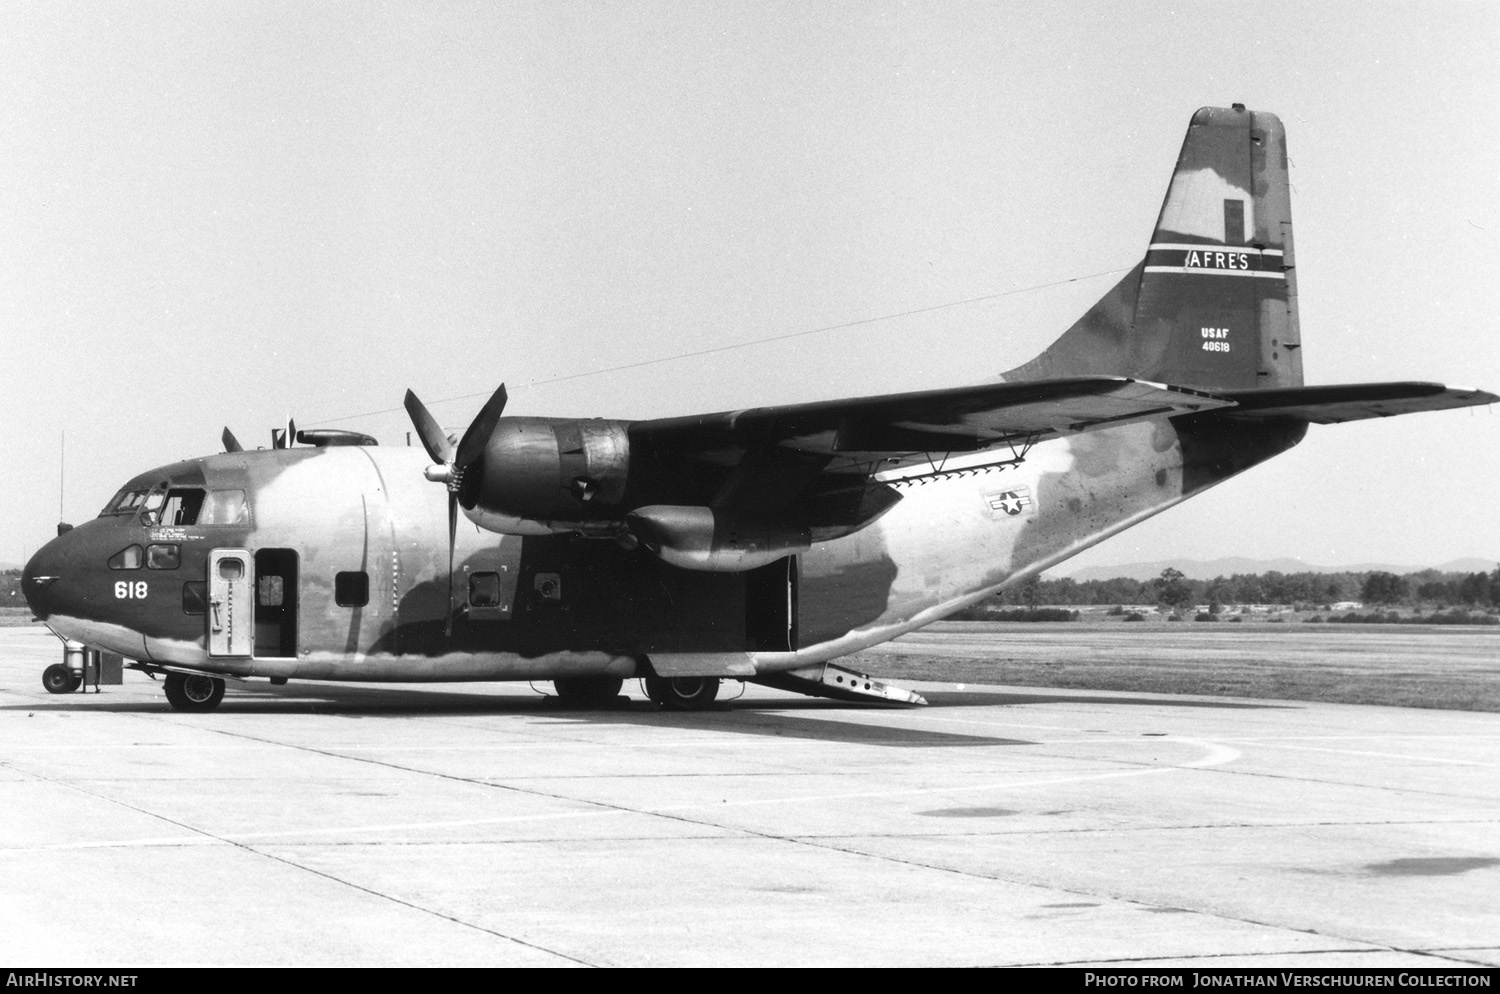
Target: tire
{"points": [[194, 693], [682, 693], [587, 691], [58, 679]]}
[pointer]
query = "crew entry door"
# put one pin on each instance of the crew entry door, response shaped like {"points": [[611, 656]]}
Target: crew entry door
{"points": [[231, 588]]}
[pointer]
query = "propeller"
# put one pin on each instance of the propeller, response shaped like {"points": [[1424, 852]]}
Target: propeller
{"points": [[282, 438], [450, 461]]}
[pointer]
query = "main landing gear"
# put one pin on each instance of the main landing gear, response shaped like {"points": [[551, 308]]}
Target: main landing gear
{"points": [[669, 693], [193, 692], [682, 693], [587, 691]]}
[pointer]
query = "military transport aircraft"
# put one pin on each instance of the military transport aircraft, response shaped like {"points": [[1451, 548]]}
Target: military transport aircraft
{"points": [[754, 545]]}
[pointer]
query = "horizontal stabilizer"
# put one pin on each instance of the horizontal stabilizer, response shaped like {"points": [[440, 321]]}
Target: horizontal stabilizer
{"points": [[1327, 405]]}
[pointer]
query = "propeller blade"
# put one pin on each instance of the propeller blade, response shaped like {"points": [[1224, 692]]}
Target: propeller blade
{"points": [[452, 540], [450, 461], [434, 439], [471, 447], [231, 444]]}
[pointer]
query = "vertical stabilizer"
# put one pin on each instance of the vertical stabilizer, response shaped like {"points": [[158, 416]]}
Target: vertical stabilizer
{"points": [[1213, 305]]}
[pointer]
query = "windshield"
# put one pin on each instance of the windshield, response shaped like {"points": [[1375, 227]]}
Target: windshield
{"points": [[126, 502], [180, 506]]}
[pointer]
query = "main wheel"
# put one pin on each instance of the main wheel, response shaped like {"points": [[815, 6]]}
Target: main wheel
{"points": [[587, 691], [682, 693], [194, 693], [58, 679]]}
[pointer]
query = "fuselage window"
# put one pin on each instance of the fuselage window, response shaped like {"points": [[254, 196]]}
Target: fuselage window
{"points": [[130, 557], [163, 556], [181, 507], [194, 600], [351, 589], [484, 589], [224, 507]]}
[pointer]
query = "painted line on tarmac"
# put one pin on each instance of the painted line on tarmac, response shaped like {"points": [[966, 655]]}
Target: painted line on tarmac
{"points": [[1215, 754], [1407, 757]]}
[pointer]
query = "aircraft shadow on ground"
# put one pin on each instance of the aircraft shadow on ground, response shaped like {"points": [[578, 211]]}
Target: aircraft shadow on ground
{"points": [[790, 721], [780, 719], [812, 719]]}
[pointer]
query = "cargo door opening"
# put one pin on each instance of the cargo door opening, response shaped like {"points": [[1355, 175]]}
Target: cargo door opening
{"points": [[771, 607], [276, 602]]}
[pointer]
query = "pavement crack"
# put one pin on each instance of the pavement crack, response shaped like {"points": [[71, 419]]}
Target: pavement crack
{"points": [[331, 877]]}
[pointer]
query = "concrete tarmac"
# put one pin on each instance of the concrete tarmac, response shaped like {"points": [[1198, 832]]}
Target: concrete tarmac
{"points": [[484, 825]]}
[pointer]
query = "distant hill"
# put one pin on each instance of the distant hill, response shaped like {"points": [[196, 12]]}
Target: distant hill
{"points": [[1198, 569]]}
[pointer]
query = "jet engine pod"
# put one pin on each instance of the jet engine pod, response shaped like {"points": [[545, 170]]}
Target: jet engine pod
{"points": [[715, 539], [547, 470]]}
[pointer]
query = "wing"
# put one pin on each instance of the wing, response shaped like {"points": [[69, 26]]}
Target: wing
{"points": [[816, 459], [965, 419]]}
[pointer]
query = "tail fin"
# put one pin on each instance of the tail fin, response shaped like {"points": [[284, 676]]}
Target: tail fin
{"points": [[1213, 305]]}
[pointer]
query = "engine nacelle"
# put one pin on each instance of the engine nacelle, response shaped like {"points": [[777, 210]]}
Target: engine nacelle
{"points": [[535, 471], [713, 539]]}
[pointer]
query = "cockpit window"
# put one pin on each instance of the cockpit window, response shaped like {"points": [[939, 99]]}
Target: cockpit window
{"points": [[181, 507], [130, 557], [224, 507], [125, 502]]}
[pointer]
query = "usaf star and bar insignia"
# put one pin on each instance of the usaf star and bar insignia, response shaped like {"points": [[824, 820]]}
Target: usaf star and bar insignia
{"points": [[1012, 501]]}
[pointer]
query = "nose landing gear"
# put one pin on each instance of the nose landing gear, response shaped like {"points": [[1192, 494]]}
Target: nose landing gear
{"points": [[58, 679]]}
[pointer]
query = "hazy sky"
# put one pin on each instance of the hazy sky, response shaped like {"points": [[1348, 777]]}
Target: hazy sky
{"points": [[230, 213]]}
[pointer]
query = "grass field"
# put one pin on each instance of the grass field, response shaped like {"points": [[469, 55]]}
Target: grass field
{"points": [[1403, 666], [11, 616]]}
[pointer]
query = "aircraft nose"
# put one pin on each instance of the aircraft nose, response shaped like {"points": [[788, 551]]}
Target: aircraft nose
{"points": [[41, 574]]}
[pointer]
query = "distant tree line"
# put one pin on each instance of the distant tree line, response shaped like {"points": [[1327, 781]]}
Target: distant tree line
{"points": [[1172, 589]]}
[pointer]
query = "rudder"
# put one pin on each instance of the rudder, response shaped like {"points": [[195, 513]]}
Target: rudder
{"points": [[1213, 305]]}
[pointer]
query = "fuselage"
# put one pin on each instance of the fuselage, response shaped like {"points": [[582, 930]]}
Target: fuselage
{"points": [[332, 564]]}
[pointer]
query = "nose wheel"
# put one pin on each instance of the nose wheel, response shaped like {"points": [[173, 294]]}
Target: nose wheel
{"points": [[194, 692], [682, 693], [58, 679]]}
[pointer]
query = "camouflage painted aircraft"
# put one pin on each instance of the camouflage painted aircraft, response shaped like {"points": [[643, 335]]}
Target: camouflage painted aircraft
{"points": [[754, 545]]}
